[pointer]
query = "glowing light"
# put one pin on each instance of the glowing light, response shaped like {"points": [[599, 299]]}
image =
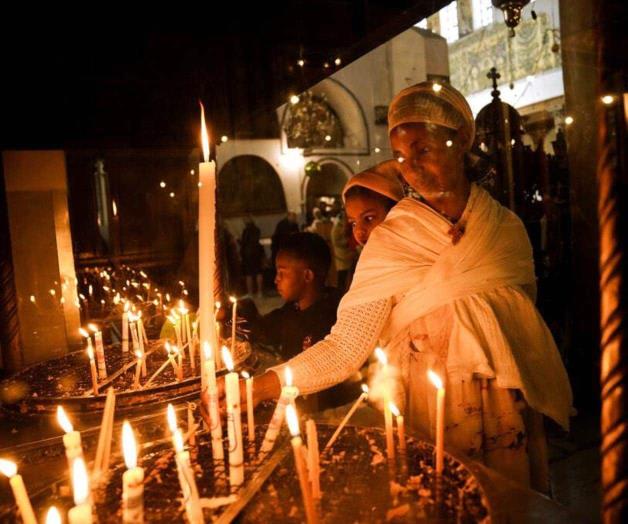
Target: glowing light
{"points": [[8, 468], [207, 351], [200, 184], [568, 120], [394, 410], [401, 160], [287, 375], [92, 328], [114, 207], [449, 143], [327, 138], [52, 292], [326, 65], [32, 298], [294, 99], [435, 379], [53, 516], [192, 172], [129, 447], [293, 420], [162, 184], [204, 135], [245, 375], [301, 62], [171, 194], [178, 440], [512, 141], [436, 87], [338, 61], [172, 418], [292, 158], [80, 481], [365, 388], [530, 79], [608, 99], [381, 356], [377, 150], [226, 358], [63, 420], [233, 299]]}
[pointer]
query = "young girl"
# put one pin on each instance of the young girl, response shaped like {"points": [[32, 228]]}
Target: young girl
{"points": [[369, 196]]}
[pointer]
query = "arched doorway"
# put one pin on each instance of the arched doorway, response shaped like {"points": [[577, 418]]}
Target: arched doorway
{"points": [[323, 186]]}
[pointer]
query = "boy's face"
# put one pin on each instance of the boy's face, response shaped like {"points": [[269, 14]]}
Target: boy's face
{"points": [[293, 277]]}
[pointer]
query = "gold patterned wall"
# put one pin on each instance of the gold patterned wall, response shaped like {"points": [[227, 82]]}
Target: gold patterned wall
{"points": [[471, 57]]}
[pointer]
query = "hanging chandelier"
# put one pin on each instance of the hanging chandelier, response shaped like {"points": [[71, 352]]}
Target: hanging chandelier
{"points": [[512, 12], [311, 123]]}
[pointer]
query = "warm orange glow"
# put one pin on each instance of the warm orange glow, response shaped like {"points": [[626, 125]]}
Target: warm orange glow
{"points": [[207, 351], [138, 355], [226, 358], [204, 135], [90, 352], [53, 516], [93, 328], [233, 299], [245, 375], [288, 378], [8, 468], [381, 356], [393, 409], [435, 379], [365, 388], [172, 418], [293, 420], [84, 332], [218, 304], [63, 420], [129, 447], [80, 481]]}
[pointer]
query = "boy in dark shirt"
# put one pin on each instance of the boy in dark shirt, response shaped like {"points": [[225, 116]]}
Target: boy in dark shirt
{"points": [[309, 313]]}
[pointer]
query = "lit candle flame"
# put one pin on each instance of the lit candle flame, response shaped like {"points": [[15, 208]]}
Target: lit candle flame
{"points": [[365, 388], [381, 356], [114, 207], [245, 375], [226, 358], [53, 516], [233, 299], [63, 420], [129, 447], [93, 328], [8, 468], [436, 380], [204, 135], [394, 409], [172, 418], [207, 351], [287, 375], [293, 420], [80, 481], [138, 355], [218, 304], [178, 441], [84, 332]]}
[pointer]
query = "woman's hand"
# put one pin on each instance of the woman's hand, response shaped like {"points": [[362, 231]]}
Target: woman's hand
{"points": [[265, 387]]}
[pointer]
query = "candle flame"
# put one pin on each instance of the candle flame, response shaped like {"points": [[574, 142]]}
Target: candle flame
{"points": [[8, 468], [436, 380], [287, 375], [204, 135], [218, 304], [178, 441], [138, 354], [394, 409], [172, 418], [233, 299], [365, 388], [63, 420], [226, 358], [84, 332], [114, 207], [381, 356], [93, 328], [207, 351], [80, 481], [129, 447], [293, 420], [245, 375], [53, 516]]}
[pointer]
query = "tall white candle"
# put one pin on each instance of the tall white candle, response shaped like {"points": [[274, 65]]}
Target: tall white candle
{"points": [[301, 466], [288, 394], [234, 322], [250, 413], [313, 458], [213, 408], [125, 327], [138, 369], [71, 439], [81, 513], [206, 240], [132, 480], [234, 424], [388, 420], [356, 405], [401, 430], [9, 469], [100, 351], [440, 420]]}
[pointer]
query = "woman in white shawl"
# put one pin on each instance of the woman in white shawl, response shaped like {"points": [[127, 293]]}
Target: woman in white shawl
{"points": [[447, 283]]}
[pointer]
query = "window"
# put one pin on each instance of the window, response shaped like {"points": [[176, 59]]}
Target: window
{"points": [[482, 13], [448, 18], [422, 24]]}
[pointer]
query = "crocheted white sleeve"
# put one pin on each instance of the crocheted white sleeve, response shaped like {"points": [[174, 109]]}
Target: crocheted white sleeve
{"points": [[342, 352]]}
